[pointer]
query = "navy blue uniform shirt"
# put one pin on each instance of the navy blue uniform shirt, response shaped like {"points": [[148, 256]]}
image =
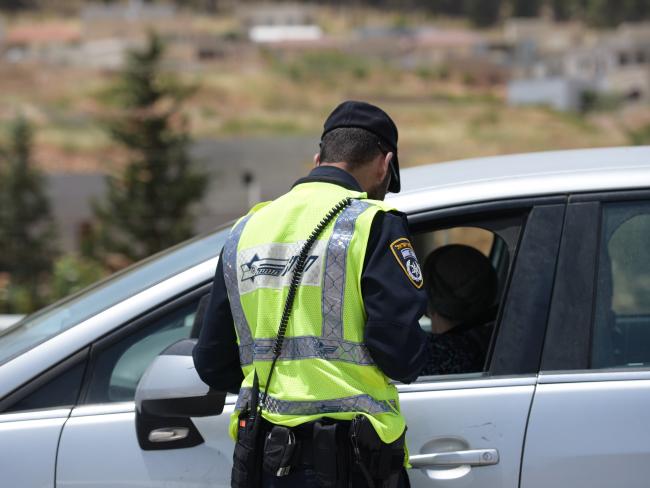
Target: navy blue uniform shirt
{"points": [[392, 300]]}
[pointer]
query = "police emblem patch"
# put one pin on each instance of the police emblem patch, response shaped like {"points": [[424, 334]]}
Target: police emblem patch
{"points": [[403, 252]]}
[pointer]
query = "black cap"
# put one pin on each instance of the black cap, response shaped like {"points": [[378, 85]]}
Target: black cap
{"points": [[461, 283], [363, 115]]}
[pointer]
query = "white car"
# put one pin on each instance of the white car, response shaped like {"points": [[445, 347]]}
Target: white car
{"points": [[562, 400]]}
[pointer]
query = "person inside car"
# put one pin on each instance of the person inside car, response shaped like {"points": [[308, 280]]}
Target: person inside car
{"points": [[461, 287]]}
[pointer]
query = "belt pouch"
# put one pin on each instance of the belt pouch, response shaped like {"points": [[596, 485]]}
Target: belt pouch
{"points": [[324, 454], [246, 463], [279, 447], [381, 460]]}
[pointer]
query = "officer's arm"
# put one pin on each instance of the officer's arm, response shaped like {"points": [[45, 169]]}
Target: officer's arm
{"points": [[216, 355], [394, 300]]}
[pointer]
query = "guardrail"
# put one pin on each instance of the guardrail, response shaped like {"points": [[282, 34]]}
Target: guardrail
{"points": [[7, 320]]}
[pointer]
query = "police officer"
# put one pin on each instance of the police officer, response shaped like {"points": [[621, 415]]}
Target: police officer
{"points": [[354, 323]]}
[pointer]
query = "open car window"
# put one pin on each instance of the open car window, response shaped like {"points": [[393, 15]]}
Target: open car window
{"points": [[466, 265]]}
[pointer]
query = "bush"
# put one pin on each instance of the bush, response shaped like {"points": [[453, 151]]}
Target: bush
{"points": [[72, 273]]}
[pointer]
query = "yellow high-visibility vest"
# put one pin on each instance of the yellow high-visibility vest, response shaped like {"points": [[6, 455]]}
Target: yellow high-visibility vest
{"points": [[325, 369]]}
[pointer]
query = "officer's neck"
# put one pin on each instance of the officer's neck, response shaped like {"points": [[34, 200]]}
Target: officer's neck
{"points": [[366, 174]]}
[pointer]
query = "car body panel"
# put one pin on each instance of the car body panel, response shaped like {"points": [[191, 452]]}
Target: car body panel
{"points": [[85, 461], [454, 417], [28, 443], [522, 175], [589, 434]]}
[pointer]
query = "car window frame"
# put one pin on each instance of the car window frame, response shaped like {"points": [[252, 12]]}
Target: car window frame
{"points": [[528, 359], [567, 350], [62, 367], [85, 354], [132, 327]]}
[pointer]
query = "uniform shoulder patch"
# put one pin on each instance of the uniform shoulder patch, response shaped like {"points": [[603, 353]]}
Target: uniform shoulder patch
{"points": [[408, 261]]}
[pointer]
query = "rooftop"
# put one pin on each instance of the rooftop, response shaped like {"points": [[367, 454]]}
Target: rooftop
{"points": [[522, 175]]}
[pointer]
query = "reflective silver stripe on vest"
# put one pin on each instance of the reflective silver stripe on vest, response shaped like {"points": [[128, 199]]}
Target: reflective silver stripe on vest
{"points": [[335, 267], [232, 286], [358, 403], [307, 347]]}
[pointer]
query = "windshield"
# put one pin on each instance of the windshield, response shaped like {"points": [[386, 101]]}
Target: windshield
{"points": [[70, 311]]}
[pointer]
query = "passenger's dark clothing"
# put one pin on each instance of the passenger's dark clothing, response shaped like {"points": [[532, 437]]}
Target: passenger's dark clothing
{"points": [[454, 352], [393, 305]]}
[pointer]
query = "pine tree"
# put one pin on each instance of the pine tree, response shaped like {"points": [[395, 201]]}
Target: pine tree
{"points": [[149, 205], [483, 13], [27, 231], [526, 8]]}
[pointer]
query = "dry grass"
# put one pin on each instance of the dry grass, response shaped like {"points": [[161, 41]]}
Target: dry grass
{"points": [[266, 94]]}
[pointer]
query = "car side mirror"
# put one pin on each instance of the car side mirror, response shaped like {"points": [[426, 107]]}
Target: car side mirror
{"points": [[168, 394]]}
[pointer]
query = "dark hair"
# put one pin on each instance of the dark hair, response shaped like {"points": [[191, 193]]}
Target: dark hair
{"points": [[350, 145]]}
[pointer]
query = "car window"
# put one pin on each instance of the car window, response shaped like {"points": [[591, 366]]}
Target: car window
{"points": [[60, 391], [465, 269], [118, 367], [71, 311], [621, 324]]}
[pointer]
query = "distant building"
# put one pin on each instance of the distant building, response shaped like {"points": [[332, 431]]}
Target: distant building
{"points": [[121, 20], [559, 93], [545, 57], [49, 42], [104, 53], [280, 23]]}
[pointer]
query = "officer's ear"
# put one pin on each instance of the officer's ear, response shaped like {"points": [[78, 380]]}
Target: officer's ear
{"points": [[317, 159], [385, 164]]}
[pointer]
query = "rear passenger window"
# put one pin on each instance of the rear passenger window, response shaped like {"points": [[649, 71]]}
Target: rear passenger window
{"points": [[621, 330]]}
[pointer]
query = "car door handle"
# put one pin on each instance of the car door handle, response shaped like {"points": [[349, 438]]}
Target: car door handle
{"points": [[168, 434], [473, 457]]}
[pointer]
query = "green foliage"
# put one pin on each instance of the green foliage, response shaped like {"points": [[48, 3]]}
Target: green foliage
{"points": [[149, 205], [73, 273], [483, 13], [598, 102], [526, 8], [447, 7], [16, 299], [326, 65], [565, 9], [599, 13], [639, 136], [27, 232]]}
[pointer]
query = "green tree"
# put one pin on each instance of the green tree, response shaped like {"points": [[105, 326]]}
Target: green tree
{"points": [[446, 7], [483, 13], [27, 231], [639, 136], [605, 13], [526, 8], [565, 9], [149, 205]]}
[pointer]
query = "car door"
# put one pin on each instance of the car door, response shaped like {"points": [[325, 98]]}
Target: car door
{"points": [[468, 430], [590, 423], [459, 416], [31, 421], [98, 445]]}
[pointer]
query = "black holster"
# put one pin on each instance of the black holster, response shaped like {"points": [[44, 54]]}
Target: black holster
{"points": [[379, 463], [330, 461], [247, 457]]}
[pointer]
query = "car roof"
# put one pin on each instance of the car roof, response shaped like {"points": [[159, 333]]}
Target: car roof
{"points": [[522, 175]]}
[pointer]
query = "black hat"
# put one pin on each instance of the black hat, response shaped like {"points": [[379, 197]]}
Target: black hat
{"points": [[461, 283], [373, 119]]}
